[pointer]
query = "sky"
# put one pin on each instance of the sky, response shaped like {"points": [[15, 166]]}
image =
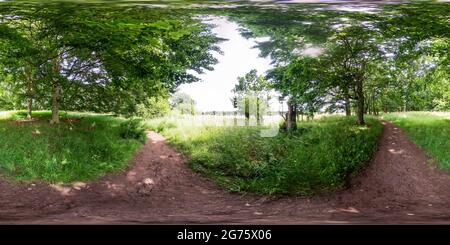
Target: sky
{"points": [[213, 93]]}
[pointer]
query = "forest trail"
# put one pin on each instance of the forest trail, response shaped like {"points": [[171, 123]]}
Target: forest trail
{"points": [[398, 186]]}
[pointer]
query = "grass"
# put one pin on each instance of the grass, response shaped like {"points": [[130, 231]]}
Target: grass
{"points": [[431, 131], [320, 156], [82, 147]]}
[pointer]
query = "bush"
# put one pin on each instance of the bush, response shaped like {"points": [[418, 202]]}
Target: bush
{"points": [[152, 108], [165, 125], [161, 124], [133, 129]]}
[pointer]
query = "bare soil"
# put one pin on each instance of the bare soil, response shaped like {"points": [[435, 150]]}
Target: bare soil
{"points": [[398, 186]]}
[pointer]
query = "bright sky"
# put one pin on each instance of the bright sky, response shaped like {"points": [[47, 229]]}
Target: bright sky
{"points": [[213, 93]]}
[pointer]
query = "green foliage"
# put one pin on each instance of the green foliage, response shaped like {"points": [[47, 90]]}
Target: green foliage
{"points": [[399, 56], [431, 131], [251, 94], [8, 99], [82, 147], [117, 57], [182, 103], [251, 82], [133, 129], [319, 156], [153, 107], [127, 60], [299, 81], [104, 58], [161, 126]]}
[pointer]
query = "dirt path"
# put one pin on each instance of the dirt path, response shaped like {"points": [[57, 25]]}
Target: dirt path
{"points": [[397, 187]]}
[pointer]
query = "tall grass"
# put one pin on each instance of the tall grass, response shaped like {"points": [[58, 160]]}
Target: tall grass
{"points": [[429, 130], [83, 146], [319, 156]]}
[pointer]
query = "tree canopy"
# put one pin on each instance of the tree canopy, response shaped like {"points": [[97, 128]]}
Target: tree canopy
{"points": [[395, 58], [113, 58], [100, 58], [251, 95]]}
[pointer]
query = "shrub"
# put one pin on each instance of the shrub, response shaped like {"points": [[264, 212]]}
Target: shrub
{"points": [[165, 125], [152, 108], [160, 125], [133, 129]]}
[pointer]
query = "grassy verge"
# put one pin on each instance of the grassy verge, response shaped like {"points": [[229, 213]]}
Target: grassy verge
{"points": [[431, 131], [320, 156], [81, 147]]}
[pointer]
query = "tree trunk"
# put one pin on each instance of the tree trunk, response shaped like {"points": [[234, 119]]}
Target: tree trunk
{"points": [[404, 100], [258, 115], [55, 102], [235, 119], [374, 109], [360, 107], [247, 111], [348, 111], [30, 108], [56, 96], [30, 97], [291, 117]]}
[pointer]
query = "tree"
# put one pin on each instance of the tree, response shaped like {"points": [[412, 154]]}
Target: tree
{"points": [[75, 56], [299, 82], [106, 60], [183, 103], [353, 51], [369, 62], [289, 35], [251, 89], [20, 59], [153, 107]]}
